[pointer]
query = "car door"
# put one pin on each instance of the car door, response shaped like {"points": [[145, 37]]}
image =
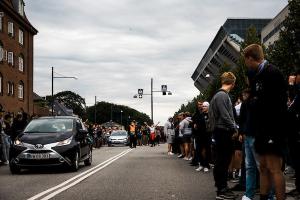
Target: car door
{"points": [[84, 145]]}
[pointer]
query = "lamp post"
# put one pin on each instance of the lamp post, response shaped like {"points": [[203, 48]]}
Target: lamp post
{"points": [[121, 116], [163, 90], [52, 80], [95, 116]]}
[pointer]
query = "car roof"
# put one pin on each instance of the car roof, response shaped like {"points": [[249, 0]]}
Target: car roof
{"points": [[59, 117]]}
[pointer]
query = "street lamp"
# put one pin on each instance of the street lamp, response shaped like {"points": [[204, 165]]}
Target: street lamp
{"points": [[163, 90], [52, 80], [121, 116]]}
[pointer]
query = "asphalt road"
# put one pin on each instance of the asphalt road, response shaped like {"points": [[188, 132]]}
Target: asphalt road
{"points": [[117, 173]]}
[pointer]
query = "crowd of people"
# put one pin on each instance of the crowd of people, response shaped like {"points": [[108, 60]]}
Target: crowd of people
{"points": [[138, 135], [255, 139], [10, 127]]}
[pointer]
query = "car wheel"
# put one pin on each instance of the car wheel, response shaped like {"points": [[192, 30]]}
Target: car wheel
{"points": [[75, 162], [14, 169], [89, 161]]}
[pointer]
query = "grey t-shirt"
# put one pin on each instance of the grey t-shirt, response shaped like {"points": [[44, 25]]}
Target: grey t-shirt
{"points": [[221, 111]]}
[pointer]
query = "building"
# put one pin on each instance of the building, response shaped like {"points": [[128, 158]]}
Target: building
{"points": [[224, 49], [16, 57], [270, 33]]}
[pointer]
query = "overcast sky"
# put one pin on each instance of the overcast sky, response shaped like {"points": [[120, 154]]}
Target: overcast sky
{"points": [[114, 47]]}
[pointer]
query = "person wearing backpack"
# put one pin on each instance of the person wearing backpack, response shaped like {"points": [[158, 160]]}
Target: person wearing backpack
{"points": [[224, 129]]}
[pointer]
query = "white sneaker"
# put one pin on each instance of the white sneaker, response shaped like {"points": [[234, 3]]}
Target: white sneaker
{"points": [[245, 198], [206, 169], [190, 158], [199, 168], [171, 154], [180, 155], [185, 158]]}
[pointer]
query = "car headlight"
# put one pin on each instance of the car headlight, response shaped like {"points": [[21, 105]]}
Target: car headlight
{"points": [[17, 142], [65, 142]]}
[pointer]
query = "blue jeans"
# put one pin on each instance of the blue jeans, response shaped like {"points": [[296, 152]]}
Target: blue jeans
{"points": [[252, 165], [5, 146]]}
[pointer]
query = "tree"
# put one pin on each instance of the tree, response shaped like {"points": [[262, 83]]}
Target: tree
{"points": [[107, 111], [285, 53], [72, 101], [241, 71]]}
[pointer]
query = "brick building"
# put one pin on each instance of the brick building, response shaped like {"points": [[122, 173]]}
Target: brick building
{"points": [[16, 57]]}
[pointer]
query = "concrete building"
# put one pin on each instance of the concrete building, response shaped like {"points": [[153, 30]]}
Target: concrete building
{"points": [[16, 57], [270, 33], [224, 49]]}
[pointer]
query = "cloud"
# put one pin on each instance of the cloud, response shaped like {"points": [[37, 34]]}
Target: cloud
{"points": [[115, 47]]}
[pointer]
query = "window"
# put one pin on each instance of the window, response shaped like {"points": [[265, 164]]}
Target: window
{"points": [[21, 7], [12, 89], [10, 58], [8, 88], [11, 29], [21, 90], [1, 78], [21, 37], [1, 52], [21, 63], [1, 20]]}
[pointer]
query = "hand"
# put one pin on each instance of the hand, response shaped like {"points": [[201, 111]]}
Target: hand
{"points": [[292, 80], [241, 138], [235, 135]]}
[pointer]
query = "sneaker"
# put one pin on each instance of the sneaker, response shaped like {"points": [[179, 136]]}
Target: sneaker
{"points": [[245, 198], [238, 188], [199, 168], [190, 158], [185, 158], [225, 194], [171, 154], [6, 163], [205, 170], [180, 156]]}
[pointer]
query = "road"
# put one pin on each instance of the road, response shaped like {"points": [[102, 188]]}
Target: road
{"points": [[117, 173]]}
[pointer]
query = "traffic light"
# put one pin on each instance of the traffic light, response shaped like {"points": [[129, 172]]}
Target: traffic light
{"points": [[140, 96]]}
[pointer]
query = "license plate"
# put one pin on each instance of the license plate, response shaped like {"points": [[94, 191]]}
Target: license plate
{"points": [[39, 156]]}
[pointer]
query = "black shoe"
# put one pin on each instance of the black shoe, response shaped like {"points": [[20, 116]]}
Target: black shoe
{"points": [[193, 163], [225, 194], [238, 188]]}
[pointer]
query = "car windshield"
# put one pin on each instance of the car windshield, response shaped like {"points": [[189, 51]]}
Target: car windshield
{"points": [[119, 133], [49, 126]]}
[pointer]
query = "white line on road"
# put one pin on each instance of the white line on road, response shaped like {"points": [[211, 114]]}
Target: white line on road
{"points": [[88, 173]]}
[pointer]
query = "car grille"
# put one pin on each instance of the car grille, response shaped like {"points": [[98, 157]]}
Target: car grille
{"points": [[38, 151]]}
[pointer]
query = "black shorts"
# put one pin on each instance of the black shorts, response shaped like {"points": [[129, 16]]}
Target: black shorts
{"points": [[186, 139], [265, 146]]}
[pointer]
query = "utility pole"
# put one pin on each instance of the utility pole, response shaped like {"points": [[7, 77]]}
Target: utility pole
{"points": [[95, 116], [52, 99], [152, 100]]}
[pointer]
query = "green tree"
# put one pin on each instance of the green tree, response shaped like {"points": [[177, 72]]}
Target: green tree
{"points": [[240, 72], [285, 53], [72, 101], [107, 111]]}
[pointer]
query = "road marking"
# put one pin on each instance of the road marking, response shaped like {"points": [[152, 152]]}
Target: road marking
{"points": [[87, 172]]}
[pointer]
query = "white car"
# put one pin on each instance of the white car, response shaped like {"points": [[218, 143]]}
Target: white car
{"points": [[118, 138]]}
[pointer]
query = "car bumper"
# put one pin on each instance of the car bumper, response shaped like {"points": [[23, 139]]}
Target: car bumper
{"points": [[49, 155]]}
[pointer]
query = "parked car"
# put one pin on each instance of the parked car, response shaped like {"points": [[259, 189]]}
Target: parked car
{"points": [[51, 141], [119, 137]]}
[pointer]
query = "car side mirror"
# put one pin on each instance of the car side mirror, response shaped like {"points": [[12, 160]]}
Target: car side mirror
{"points": [[81, 134]]}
